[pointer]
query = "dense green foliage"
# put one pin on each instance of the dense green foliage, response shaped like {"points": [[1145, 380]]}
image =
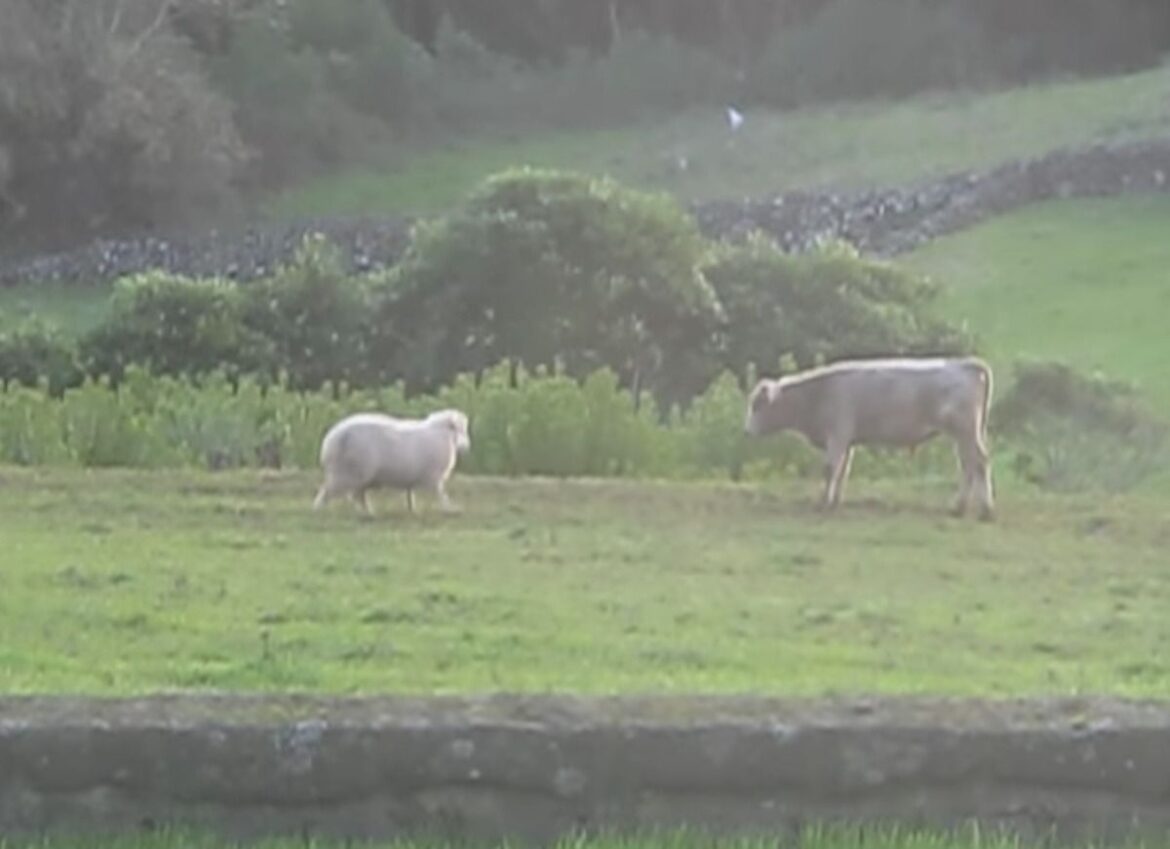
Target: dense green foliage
{"points": [[826, 305], [551, 425], [540, 269], [548, 425], [120, 114], [35, 350], [1077, 430], [172, 325], [558, 270], [1022, 36]]}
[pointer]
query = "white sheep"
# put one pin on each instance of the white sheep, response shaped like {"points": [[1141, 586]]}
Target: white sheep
{"points": [[372, 450]]}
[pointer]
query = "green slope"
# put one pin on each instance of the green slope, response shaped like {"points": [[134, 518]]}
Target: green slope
{"points": [[849, 145], [1085, 281]]}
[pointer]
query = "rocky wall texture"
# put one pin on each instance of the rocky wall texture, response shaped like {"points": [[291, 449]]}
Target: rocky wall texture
{"points": [[882, 222], [532, 768]]}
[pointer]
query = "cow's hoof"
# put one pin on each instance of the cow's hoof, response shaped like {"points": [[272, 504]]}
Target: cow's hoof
{"points": [[986, 515]]}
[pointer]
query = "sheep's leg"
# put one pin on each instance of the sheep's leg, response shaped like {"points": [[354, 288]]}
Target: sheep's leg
{"points": [[363, 499], [445, 503]]}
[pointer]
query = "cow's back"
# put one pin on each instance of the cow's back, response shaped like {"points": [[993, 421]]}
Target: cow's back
{"points": [[895, 402]]}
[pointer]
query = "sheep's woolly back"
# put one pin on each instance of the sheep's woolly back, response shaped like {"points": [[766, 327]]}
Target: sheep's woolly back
{"points": [[373, 447]]}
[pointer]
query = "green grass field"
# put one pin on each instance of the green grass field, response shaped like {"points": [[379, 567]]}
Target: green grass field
{"points": [[119, 582], [1084, 281], [843, 146], [74, 308], [812, 837]]}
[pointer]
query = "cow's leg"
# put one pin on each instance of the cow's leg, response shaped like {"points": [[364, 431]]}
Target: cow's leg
{"points": [[838, 458], [981, 479], [959, 506], [976, 467], [409, 500]]}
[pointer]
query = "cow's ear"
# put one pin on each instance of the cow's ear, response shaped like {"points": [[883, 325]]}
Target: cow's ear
{"points": [[763, 394]]}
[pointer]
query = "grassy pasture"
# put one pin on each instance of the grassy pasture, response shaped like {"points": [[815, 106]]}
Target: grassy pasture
{"points": [[1083, 281], [121, 582], [852, 145], [812, 837], [75, 309]]}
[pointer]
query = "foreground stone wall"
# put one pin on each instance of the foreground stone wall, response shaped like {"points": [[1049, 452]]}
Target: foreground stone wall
{"points": [[530, 769], [881, 222]]}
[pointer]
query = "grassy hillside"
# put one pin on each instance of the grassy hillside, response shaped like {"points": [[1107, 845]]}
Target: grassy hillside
{"points": [[854, 145], [120, 582], [1085, 281]]}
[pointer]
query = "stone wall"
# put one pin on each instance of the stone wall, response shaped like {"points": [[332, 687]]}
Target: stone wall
{"points": [[532, 768], [883, 222]]}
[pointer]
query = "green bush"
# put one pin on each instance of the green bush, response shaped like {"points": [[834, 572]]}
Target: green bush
{"points": [[547, 424], [173, 325], [315, 317], [367, 61], [555, 270], [286, 109], [30, 428], [544, 424], [36, 351], [787, 311], [1071, 431]]}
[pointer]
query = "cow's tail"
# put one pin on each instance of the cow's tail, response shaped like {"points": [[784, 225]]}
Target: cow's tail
{"points": [[983, 371]]}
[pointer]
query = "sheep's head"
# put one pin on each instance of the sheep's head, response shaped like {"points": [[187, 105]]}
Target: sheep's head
{"points": [[456, 422]]}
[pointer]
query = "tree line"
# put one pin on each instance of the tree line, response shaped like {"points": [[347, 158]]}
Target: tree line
{"points": [[133, 115]]}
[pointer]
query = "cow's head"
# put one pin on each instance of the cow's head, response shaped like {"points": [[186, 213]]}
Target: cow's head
{"points": [[762, 411]]}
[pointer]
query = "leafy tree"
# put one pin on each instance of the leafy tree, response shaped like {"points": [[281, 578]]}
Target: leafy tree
{"points": [[173, 325], [556, 270], [315, 317], [106, 119], [826, 305]]}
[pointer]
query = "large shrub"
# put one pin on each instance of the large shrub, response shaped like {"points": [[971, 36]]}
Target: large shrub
{"points": [[1072, 431], [173, 325], [786, 311], [37, 351], [315, 317], [107, 120], [319, 84], [556, 270]]}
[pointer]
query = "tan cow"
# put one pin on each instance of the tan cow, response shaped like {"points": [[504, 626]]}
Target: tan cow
{"points": [[884, 402]]}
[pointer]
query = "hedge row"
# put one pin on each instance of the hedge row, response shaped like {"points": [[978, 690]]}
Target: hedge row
{"points": [[1053, 428], [545, 425]]}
